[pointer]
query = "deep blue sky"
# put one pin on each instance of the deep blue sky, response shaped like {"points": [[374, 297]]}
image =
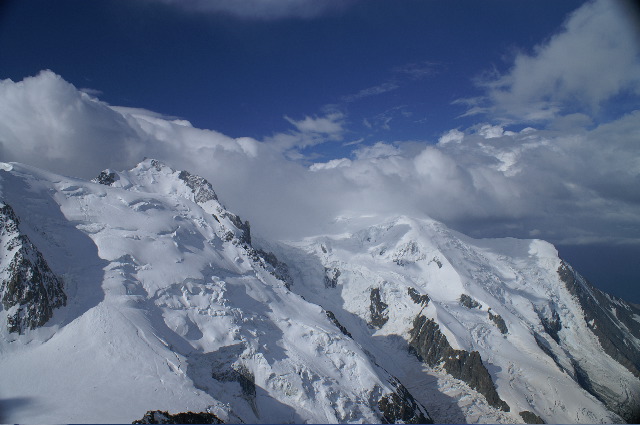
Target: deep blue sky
{"points": [[241, 76], [385, 71]]}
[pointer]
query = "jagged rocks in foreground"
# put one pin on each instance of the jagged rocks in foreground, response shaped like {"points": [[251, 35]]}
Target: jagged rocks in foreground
{"points": [[160, 417]]}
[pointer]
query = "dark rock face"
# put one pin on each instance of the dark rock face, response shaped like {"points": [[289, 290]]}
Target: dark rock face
{"points": [[378, 309], [598, 307], [467, 301], [106, 178], [338, 325], [269, 261], [530, 417], [160, 417], [604, 315], [552, 325], [431, 346], [331, 277], [499, 321], [418, 298], [201, 188], [401, 407], [245, 228], [29, 291]]}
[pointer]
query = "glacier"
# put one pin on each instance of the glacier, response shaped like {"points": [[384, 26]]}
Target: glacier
{"points": [[161, 299]]}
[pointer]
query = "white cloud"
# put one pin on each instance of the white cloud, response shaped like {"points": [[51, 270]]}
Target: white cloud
{"points": [[372, 91], [308, 132], [378, 150], [264, 9], [595, 57], [451, 136], [329, 165], [330, 125], [563, 184]]}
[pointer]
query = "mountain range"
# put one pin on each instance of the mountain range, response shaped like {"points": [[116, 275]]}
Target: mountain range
{"points": [[138, 295]]}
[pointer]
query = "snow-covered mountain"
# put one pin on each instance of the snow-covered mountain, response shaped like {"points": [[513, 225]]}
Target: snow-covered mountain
{"points": [[139, 291]]}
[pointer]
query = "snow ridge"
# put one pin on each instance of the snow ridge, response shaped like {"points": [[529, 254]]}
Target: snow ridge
{"points": [[171, 308], [160, 301]]}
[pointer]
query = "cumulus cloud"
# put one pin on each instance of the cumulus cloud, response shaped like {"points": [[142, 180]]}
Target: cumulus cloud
{"points": [[595, 57], [263, 9], [566, 184]]}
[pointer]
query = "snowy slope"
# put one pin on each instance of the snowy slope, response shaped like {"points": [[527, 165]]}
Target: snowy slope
{"points": [[169, 305], [170, 308], [395, 285]]}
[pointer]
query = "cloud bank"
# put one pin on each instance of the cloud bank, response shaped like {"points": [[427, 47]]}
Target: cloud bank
{"points": [[595, 57], [570, 183]]}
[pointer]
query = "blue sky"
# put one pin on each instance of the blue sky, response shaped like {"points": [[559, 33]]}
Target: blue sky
{"points": [[397, 65], [500, 118]]}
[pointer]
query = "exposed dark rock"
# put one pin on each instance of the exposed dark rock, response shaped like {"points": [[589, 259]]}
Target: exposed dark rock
{"points": [[201, 188], [467, 301], [432, 347], [247, 382], [331, 277], [609, 318], [417, 297], [224, 371], [162, 417], [598, 307], [378, 309], [401, 407], [245, 228], [544, 346], [552, 325], [335, 321], [531, 418], [106, 178], [499, 321], [438, 262], [157, 164], [30, 291], [270, 262]]}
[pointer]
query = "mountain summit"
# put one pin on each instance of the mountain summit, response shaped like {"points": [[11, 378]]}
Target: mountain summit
{"points": [[140, 295]]}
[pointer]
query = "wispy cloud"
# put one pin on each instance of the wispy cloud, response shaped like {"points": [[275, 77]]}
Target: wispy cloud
{"points": [[263, 9], [309, 131], [372, 91]]}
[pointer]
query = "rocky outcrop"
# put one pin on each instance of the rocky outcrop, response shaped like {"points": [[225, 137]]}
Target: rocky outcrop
{"points": [[420, 299], [552, 325], [338, 325], [530, 417], [243, 227], [270, 262], [106, 178], [467, 301], [161, 417], [29, 290], [499, 322], [378, 309], [201, 188], [611, 320], [331, 277], [400, 407], [432, 347], [598, 313]]}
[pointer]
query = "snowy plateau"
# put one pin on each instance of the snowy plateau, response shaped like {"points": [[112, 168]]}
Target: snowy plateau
{"points": [[139, 291]]}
